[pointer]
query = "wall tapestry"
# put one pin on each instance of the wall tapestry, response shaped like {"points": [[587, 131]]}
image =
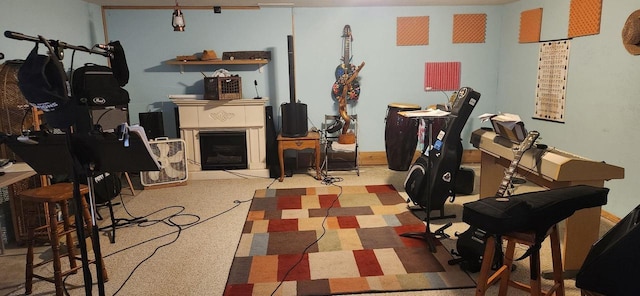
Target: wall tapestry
{"points": [[553, 63]]}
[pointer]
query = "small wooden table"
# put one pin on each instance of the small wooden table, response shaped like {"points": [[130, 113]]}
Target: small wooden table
{"points": [[311, 141]]}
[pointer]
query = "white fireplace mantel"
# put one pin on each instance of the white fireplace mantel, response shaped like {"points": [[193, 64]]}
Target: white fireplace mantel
{"points": [[198, 115]]}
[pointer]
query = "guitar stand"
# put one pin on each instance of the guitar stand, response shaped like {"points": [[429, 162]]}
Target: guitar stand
{"points": [[439, 233], [427, 235], [442, 215]]}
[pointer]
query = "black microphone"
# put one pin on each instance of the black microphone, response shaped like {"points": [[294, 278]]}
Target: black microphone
{"points": [[255, 82]]}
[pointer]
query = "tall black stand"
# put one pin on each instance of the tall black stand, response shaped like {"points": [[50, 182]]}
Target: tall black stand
{"points": [[79, 155]]}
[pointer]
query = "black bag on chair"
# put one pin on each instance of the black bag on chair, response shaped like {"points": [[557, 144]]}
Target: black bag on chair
{"points": [[106, 187], [96, 85]]}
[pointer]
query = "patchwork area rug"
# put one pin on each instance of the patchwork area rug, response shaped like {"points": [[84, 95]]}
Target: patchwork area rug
{"points": [[332, 240]]}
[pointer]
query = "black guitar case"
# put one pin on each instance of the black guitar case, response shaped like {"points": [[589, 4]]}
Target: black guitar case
{"points": [[445, 157], [533, 211]]}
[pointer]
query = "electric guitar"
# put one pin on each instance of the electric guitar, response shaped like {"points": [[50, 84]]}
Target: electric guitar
{"points": [[345, 70], [471, 243]]}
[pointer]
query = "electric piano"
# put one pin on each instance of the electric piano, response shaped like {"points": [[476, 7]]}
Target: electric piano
{"points": [[551, 168]]}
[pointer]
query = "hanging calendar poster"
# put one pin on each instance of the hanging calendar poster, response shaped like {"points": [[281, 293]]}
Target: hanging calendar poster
{"points": [[553, 63]]}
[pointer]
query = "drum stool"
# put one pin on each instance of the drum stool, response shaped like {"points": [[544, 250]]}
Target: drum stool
{"points": [[56, 194], [504, 272]]}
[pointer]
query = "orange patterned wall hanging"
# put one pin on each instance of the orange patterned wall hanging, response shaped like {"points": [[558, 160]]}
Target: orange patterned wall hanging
{"points": [[469, 28], [584, 17], [530, 25], [441, 76], [412, 31]]}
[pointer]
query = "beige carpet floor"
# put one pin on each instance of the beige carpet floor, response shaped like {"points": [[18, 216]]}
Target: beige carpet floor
{"points": [[190, 250]]}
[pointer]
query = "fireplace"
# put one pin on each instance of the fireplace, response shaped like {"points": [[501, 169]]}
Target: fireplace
{"points": [[224, 150], [241, 123]]}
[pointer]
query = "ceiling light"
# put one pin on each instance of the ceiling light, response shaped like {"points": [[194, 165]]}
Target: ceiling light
{"points": [[177, 19]]}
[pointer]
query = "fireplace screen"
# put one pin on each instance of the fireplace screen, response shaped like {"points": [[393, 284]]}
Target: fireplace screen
{"points": [[223, 150]]}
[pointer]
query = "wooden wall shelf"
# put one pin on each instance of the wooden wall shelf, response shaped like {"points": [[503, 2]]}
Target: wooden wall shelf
{"points": [[220, 62], [259, 62]]}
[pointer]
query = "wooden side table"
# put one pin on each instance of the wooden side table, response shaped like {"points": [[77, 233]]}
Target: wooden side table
{"points": [[311, 141]]}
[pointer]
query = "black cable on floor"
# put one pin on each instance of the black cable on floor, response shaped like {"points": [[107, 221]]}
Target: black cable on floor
{"points": [[324, 231], [168, 221]]}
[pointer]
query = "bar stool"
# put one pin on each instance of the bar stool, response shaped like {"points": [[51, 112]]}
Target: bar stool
{"points": [[504, 272], [56, 194]]}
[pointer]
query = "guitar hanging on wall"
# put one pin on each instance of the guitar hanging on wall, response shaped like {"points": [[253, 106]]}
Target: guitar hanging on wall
{"points": [[346, 70], [346, 87]]}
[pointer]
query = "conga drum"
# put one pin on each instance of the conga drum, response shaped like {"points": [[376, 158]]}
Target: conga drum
{"points": [[400, 136]]}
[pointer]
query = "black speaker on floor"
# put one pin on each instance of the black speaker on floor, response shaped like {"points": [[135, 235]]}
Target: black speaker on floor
{"points": [[612, 266], [152, 124], [273, 163]]}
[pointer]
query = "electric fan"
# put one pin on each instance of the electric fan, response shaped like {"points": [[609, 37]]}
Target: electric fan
{"points": [[171, 155]]}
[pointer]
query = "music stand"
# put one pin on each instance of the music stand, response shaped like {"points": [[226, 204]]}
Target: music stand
{"points": [[80, 155]]}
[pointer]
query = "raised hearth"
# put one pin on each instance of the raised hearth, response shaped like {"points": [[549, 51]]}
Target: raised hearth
{"points": [[197, 115]]}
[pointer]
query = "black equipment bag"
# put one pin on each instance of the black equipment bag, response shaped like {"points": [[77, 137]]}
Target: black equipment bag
{"points": [[415, 176], [536, 211], [95, 85], [106, 187], [470, 249], [533, 211]]}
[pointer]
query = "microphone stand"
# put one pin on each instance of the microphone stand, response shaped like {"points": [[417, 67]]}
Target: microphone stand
{"points": [[78, 166], [59, 44]]}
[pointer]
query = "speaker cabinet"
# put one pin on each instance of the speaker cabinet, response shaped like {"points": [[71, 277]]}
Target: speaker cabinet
{"points": [[272, 144], [152, 124], [465, 181], [294, 120], [612, 266]]}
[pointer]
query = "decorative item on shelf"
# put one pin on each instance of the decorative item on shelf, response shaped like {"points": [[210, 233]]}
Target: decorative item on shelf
{"points": [[347, 86], [209, 55], [185, 58], [177, 19], [222, 86], [246, 55]]}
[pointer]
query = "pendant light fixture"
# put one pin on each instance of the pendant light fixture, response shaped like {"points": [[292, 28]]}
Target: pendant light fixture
{"points": [[177, 19]]}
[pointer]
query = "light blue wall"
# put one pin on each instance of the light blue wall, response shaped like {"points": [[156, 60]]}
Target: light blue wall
{"points": [[602, 90], [392, 73], [602, 98], [72, 21], [149, 41]]}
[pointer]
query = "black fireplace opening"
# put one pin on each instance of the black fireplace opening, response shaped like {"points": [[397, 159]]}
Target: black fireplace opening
{"points": [[223, 150]]}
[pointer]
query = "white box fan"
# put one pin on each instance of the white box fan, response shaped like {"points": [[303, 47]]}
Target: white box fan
{"points": [[172, 156]]}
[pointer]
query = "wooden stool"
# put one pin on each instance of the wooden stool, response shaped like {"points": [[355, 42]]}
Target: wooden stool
{"points": [[56, 194], [504, 272]]}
